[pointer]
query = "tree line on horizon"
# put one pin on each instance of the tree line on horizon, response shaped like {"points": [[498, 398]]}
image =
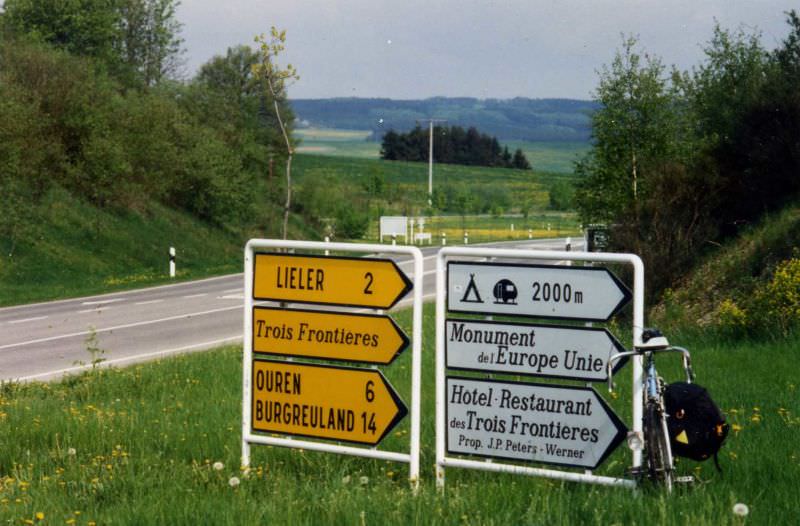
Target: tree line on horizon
{"points": [[451, 145]]}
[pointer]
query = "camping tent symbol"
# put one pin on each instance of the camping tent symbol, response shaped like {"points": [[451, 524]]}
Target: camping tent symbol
{"points": [[505, 292]]}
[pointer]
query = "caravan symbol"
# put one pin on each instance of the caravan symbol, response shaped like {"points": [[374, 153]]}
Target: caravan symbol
{"points": [[505, 292]]}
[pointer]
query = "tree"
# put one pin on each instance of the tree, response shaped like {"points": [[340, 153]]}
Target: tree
{"points": [[634, 131], [520, 162], [137, 40], [82, 27], [149, 42], [274, 80]]}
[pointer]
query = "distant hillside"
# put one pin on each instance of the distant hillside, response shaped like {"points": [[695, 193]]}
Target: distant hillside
{"points": [[513, 119]]}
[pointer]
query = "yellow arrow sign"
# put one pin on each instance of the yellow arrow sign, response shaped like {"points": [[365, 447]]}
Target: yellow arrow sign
{"points": [[323, 401], [329, 335], [356, 282]]}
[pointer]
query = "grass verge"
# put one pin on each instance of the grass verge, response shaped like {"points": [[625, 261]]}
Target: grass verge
{"points": [[139, 446], [77, 249]]}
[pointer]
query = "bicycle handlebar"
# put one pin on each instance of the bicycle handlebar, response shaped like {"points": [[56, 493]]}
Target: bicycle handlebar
{"points": [[686, 358]]}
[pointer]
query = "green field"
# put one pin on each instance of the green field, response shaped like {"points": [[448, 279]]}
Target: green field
{"points": [[139, 445], [544, 156]]}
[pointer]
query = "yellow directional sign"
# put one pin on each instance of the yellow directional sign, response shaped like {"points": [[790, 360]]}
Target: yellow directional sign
{"points": [[328, 335], [356, 282], [322, 401]]}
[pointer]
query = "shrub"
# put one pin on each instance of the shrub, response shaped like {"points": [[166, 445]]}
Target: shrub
{"points": [[732, 319], [783, 294], [351, 224]]}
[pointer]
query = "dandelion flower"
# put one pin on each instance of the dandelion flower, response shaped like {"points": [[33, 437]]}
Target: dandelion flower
{"points": [[39, 516], [234, 482], [740, 509], [364, 480], [71, 452], [218, 466]]}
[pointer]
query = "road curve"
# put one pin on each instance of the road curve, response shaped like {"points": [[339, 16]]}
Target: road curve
{"points": [[44, 341]]}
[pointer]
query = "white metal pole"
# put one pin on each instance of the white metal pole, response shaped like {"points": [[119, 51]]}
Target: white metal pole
{"points": [[416, 371], [430, 165], [247, 353], [638, 369], [440, 369]]}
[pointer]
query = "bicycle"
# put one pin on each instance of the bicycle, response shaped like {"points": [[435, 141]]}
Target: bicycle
{"points": [[659, 466]]}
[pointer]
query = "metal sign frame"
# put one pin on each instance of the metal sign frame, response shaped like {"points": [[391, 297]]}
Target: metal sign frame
{"points": [[249, 437], [442, 460]]}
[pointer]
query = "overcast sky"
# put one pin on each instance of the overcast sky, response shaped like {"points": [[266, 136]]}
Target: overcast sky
{"points": [[409, 49]]}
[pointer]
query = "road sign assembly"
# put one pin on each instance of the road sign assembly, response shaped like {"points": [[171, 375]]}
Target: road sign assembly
{"points": [[317, 401], [568, 426]]}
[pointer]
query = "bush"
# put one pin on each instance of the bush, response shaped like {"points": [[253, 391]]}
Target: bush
{"points": [[731, 318], [351, 224], [783, 294]]}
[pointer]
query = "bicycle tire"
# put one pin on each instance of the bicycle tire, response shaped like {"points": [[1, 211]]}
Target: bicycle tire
{"points": [[658, 469]]}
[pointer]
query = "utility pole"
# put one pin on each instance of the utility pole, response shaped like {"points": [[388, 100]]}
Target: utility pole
{"points": [[430, 158]]}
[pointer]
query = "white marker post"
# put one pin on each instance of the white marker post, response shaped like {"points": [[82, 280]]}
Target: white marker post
{"points": [[172, 262]]}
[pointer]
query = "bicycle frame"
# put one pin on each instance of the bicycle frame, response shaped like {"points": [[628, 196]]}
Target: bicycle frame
{"points": [[652, 391]]}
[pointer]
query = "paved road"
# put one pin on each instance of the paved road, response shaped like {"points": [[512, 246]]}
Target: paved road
{"points": [[47, 340]]}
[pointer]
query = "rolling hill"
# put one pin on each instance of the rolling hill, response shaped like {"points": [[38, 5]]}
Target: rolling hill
{"points": [[513, 119]]}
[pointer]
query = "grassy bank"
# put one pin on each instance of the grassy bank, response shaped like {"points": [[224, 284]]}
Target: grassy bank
{"points": [[75, 249], [139, 446]]}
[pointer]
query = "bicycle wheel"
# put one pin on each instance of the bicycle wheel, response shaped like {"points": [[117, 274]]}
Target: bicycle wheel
{"points": [[659, 468]]}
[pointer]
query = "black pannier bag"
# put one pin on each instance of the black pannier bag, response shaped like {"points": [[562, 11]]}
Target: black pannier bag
{"points": [[697, 427]]}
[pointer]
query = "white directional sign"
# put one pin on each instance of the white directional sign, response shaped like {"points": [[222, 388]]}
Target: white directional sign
{"points": [[576, 353], [544, 291], [570, 426]]}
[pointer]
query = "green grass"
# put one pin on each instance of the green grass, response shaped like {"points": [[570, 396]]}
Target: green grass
{"points": [[138, 445], [76, 249], [558, 157]]}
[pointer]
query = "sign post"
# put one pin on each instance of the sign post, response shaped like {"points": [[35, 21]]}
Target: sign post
{"points": [[326, 402], [562, 425]]}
